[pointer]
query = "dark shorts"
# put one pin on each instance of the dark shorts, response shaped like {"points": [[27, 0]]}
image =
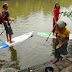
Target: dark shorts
{"points": [[8, 29]]}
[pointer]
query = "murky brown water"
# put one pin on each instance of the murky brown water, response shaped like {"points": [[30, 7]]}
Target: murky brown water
{"points": [[31, 15]]}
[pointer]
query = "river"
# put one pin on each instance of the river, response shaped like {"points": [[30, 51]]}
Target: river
{"points": [[32, 15]]}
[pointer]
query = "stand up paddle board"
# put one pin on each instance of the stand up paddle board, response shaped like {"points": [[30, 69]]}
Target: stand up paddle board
{"points": [[50, 35], [17, 40]]}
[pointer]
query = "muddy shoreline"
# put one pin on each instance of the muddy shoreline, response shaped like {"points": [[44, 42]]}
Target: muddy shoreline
{"points": [[61, 66]]}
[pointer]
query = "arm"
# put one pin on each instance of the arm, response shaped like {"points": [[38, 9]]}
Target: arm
{"points": [[65, 40], [61, 43], [4, 22], [67, 37], [55, 16], [54, 12], [10, 19]]}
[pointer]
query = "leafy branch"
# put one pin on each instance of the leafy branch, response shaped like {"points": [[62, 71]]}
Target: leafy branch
{"points": [[68, 14]]}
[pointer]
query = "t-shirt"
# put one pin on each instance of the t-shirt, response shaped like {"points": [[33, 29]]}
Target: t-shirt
{"points": [[63, 35], [57, 12]]}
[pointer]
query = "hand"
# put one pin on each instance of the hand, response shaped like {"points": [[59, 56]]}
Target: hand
{"points": [[12, 19], [6, 23], [62, 12], [59, 45]]}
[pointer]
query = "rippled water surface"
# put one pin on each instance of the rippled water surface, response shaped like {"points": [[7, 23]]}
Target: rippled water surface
{"points": [[31, 15]]}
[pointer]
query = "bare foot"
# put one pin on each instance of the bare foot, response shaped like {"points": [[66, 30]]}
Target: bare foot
{"points": [[12, 41], [8, 40], [53, 34]]}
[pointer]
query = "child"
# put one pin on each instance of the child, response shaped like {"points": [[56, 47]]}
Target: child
{"points": [[7, 18], [2, 20], [56, 15]]}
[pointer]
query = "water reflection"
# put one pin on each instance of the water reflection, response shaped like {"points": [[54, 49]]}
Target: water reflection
{"points": [[14, 57], [13, 54], [25, 7], [10, 60], [53, 45]]}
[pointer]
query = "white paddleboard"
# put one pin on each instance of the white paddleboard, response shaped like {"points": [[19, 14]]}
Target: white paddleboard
{"points": [[17, 40]]}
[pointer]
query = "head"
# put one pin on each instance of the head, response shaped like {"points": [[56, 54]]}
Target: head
{"points": [[0, 14], [57, 5], [5, 6], [61, 25]]}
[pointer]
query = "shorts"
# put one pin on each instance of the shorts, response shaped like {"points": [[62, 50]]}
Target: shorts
{"points": [[8, 29]]}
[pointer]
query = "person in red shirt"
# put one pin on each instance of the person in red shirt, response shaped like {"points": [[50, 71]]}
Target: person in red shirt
{"points": [[56, 11]]}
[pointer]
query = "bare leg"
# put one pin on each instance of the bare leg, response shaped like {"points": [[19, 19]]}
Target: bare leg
{"points": [[10, 36], [7, 37], [55, 61]]}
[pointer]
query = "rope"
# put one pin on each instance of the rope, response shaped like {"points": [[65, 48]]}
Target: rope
{"points": [[2, 32]]}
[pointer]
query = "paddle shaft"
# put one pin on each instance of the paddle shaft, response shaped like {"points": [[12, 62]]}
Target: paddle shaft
{"points": [[52, 29], [48, 37]]}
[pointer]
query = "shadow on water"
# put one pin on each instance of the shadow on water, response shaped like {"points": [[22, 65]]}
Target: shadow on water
{"points": [[53, 45]]}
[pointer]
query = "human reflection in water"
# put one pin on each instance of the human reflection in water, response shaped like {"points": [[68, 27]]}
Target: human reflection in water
{"points": [[14, 57], [53, 45]]}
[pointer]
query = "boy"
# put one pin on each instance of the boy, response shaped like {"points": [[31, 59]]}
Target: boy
{"points": [[7, 18]]}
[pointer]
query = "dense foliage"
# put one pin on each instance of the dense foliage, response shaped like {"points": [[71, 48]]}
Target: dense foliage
{"points": [[68, 14]]}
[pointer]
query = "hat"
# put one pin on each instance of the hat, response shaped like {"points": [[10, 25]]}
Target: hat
{"points": [[62, 24]]}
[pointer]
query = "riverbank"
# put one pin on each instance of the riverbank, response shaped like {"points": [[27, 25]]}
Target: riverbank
{"points": [[61, 66], [64, 65]]}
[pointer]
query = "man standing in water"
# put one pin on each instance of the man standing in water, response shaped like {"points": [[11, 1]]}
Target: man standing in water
{"points": [[7, 18]]}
